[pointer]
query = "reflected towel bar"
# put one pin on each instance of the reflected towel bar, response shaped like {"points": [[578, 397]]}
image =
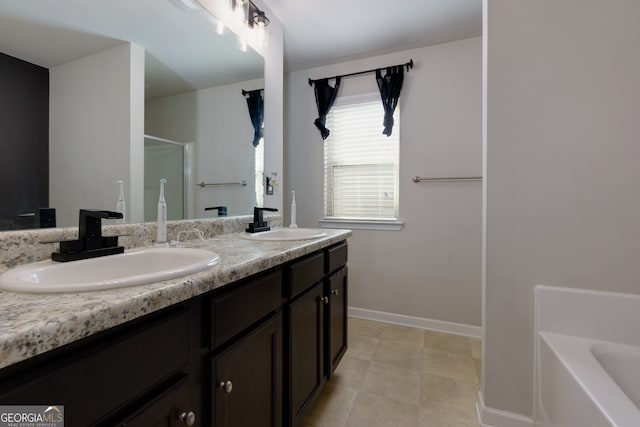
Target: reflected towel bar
{"points": [[223, 184], [449, 179]]}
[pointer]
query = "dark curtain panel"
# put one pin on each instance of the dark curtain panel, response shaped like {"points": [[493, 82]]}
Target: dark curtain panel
{"points": [[390, 86], [325, 97], [255, 102]]}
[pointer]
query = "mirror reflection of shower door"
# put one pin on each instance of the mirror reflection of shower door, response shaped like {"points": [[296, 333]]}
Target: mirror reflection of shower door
{"points": [[168, 159]]}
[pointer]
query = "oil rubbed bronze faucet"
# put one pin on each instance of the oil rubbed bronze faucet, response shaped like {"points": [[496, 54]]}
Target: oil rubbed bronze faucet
{"points": [[259, 224], [91, 243]]}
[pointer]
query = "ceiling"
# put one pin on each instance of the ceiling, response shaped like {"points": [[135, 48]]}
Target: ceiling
{"points": [[183, 51], [331, 31]]}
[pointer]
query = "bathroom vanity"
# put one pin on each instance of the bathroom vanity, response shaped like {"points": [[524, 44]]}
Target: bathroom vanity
{"points": [[250, 342]]}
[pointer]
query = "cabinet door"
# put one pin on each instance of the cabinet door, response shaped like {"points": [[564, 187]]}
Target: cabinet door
{"points": [[336, 331], [305, 358], [247, 380], [169, 408]]}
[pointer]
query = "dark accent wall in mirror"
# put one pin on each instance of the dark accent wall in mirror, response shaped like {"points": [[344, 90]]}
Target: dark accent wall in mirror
{"points": [[24, 143], [187, 64]]}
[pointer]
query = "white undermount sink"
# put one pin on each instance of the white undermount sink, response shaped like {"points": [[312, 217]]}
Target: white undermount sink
{"points": [[132, 268], [286, 234]]}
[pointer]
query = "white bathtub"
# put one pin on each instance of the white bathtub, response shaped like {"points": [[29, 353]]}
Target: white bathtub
{"points": [[587, 358], [584, 382]]}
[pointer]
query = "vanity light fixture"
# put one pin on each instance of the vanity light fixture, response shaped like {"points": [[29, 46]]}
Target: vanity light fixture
{"points": [[249, 13]]}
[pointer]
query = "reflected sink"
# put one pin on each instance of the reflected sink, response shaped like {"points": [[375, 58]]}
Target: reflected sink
{"points": [[286, 234], [132, 268]]}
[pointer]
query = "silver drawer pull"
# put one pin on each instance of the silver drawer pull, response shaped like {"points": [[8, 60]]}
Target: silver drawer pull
{"points": [[227, 386], [335, 292]]}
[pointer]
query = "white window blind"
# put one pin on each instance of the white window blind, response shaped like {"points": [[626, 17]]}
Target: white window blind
{"points": [[259, 173], [360, 163]]}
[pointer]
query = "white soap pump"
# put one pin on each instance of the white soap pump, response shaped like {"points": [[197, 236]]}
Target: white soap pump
{"points": [[293, 211], [161, 237], [120, 205]]}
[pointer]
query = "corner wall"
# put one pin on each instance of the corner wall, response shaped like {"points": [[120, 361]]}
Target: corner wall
{"points": [[431, 269], [563, 205]]}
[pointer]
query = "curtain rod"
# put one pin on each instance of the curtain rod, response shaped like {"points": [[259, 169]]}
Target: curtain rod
{"points": [[245, 92], [409, 65]]}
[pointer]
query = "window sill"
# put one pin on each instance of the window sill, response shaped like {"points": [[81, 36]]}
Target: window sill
{"points": [[359, 224]]}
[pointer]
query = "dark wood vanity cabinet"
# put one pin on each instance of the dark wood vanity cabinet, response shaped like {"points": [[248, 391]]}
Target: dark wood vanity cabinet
{"points": [[246, 380], [255, 353], [111, 376], [305, 352], [336, 314], [316, 326], [245, 384]]}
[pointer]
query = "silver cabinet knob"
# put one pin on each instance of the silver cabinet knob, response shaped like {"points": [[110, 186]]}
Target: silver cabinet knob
{"points": [[226, 386], [335, 292], [325, 300], [188, 418]]}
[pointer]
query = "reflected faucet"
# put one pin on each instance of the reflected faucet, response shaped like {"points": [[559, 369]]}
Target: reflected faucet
{"points": [[91, 243], [259, 224], [222, 210]]}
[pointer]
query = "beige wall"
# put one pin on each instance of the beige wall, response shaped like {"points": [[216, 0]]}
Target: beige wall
{"points": [[431, 269], [563, 143]]}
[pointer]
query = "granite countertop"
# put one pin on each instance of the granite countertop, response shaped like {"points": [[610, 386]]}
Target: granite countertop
{"points": [[32, 324]]}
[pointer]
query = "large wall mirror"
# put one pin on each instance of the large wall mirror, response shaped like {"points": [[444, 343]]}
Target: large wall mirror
{"points": [[138, 91]]}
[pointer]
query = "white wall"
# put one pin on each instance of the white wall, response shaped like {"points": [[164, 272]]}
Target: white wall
{"points": [[217, 121], [96, 112], [432, 267], [563, 206]]}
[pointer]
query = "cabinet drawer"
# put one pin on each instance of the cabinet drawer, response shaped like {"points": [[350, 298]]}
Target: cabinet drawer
{"points": [[336, 257], [236, 310], [305, 273], [97, 380]]}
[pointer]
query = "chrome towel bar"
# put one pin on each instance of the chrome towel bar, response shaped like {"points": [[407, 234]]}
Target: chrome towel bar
{"points": [[449, 179], [222, 184]]}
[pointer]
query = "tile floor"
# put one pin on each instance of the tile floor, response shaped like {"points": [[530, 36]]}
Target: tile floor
{"points": [[401, 377]]}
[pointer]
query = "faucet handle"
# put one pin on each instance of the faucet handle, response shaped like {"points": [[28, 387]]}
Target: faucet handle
{"points": [[99, 214]]}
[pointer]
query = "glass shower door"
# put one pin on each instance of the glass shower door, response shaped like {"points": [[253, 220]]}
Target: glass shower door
{"points": [[164, 159]]}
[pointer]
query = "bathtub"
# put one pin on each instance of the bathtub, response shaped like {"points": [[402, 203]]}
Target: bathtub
{"points": [[587, 359], [587, 383]]}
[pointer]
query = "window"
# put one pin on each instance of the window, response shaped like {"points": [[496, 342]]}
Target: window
{"points": [[360, 163]]}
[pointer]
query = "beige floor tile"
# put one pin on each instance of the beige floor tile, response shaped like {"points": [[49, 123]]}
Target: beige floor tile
{"points": [[450, 365], [398, 353], [443, 417], [439, 390], [439, 341], [332, 408], [366, 328], [361, 347], [350, 372], [401, 377], [371, 410], [392, 382], [403, 334], [476, 348]]}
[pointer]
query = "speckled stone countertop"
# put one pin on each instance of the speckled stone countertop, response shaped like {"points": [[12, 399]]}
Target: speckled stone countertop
{"points": [[31, 324]]}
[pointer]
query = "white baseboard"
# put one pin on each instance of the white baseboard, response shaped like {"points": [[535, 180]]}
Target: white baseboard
{"points": [[490, 417], [417, 322]]}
